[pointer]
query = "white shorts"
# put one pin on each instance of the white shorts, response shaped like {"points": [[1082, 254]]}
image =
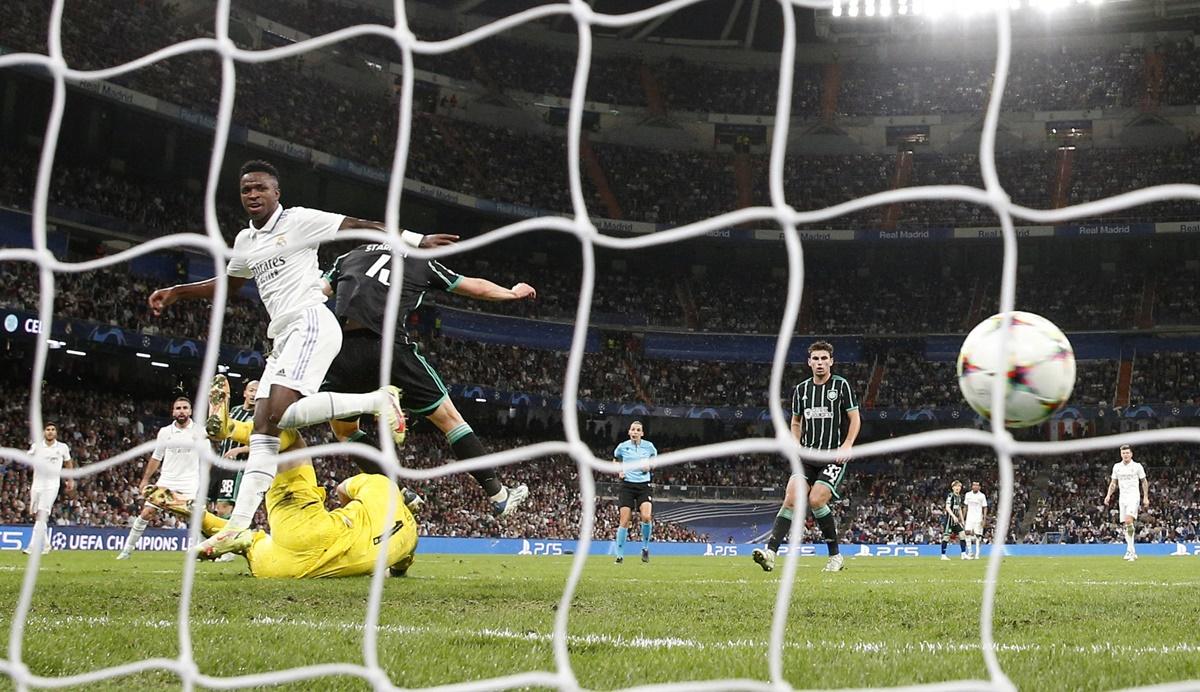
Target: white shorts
{"points": [[974, 527], [303, 352], [41, 499], [186, 487], [1127, 508]]}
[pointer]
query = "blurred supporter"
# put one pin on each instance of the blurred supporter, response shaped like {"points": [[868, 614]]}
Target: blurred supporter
{"points": [[115, 296], [893, 500]]}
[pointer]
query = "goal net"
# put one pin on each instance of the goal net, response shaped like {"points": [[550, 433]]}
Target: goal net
{"points": [[779, 212]]}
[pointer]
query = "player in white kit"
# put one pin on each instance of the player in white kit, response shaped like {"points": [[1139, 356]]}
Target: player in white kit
{"points": [[976, 503], [1128, 476], [279, 251], [43, 491], [175, 452]]}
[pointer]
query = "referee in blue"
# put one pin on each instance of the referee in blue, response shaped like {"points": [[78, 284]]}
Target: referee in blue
{"points": [[635, 487]]}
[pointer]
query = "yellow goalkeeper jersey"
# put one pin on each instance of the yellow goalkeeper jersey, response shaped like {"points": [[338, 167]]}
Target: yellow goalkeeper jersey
{"points": [[308, 541]]}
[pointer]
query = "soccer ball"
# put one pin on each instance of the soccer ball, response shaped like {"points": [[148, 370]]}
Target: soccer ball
{"points": [[1038, 376]]}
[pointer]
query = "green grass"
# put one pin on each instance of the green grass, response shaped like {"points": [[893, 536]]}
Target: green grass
{"points": [[1061, 624]]}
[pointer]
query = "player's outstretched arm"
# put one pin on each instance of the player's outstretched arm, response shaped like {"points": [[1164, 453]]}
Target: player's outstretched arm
{"points": [[163, 297], [482, 289], [430, 240]]}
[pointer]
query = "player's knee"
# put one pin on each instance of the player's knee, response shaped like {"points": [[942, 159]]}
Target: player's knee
{"points": [[446, 416]]}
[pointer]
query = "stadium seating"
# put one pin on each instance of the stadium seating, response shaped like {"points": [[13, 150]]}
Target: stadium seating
{"points": [[893, 500]]}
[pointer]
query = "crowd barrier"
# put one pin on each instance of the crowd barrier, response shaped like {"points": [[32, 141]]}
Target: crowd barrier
{"points": [[17, 537]]}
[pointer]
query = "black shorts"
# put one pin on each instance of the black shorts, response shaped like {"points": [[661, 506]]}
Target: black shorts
{"points": [[951, 527], [632, 495], [223, 484], [829, 475], [356, 370]]}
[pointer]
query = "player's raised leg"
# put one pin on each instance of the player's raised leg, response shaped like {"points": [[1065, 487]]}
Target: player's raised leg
{"points": [[467, 445]]}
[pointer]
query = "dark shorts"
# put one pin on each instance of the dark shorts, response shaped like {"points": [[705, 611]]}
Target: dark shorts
{"points": [[632, 495], [829, 475], [950, 527], [356, 370], [223, 484]]}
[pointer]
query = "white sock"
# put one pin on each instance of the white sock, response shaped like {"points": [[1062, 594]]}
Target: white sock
{"points": [[500, 496], [135, 533], [1129, 536], [326, 406], [40, 525], [256, 480]]}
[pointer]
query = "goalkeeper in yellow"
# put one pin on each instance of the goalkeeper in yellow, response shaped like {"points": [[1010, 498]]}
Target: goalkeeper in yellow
{"points": [[308, 541]]}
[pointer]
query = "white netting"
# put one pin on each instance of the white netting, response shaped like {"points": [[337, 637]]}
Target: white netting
{"points": [[993, 196]]}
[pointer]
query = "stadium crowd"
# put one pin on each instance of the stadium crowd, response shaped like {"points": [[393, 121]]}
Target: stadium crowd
{"points": [[1067, 79], [895, 500], [358, 122], [115, 296]]}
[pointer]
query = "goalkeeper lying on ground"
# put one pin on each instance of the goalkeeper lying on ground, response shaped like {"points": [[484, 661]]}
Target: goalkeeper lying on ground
{"points": [[309, 541]]}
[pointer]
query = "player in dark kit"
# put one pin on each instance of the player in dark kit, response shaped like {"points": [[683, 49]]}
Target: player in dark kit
{"points": [[223, 483], [954, 523], [824, 416], [360, 279]]}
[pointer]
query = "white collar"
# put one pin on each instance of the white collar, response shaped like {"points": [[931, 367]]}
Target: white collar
{"points": [[272, 221]]}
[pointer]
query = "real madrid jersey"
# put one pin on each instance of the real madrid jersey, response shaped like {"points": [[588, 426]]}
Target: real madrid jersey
{"points": [[975, 503], [52, 455], [1128, 477], [825, 410], [281, 257], [175, 447]]}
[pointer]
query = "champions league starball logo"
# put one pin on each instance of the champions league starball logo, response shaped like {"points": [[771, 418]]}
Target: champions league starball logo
{"points": [[10, 323], [58, 540]]}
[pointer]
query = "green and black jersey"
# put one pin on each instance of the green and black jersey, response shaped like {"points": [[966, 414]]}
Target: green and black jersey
{"points": [[954, 508], [238, 413], [825, 409], [360, 280]]}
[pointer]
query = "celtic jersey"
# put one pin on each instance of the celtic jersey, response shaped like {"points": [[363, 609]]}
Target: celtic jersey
{"points": [[954, 504], [238, 413], [360, 280], [825, 409]]}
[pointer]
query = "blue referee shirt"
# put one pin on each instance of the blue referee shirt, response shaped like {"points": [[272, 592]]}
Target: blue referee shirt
{"points": [[628, 453]]}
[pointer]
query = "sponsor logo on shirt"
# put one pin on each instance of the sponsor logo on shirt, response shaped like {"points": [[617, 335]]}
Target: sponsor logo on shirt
{"points": [[818, 413], [267, 269]]}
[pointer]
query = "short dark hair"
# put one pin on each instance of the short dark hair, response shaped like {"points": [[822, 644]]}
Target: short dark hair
{"points": [[179, 399], [1125, 447], [259, 166], [50, 424], [821, 346]]}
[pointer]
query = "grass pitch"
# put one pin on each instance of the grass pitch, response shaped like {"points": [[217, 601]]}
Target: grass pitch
{"points": [[1061, 624]]}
